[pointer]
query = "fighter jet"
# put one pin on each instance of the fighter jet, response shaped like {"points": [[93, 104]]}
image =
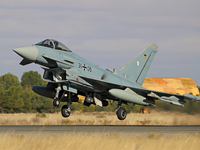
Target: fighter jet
{"points": [[69, 75]]}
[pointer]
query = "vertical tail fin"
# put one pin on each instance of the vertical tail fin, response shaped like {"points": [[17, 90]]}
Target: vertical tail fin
{"points": [[136, 70]]}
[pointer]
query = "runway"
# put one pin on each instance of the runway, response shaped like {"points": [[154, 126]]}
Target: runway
{"points": [[127, 129]]}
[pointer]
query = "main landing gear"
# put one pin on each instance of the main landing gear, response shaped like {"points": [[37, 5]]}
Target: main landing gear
{"points": [[65, 111], [120, 111]]}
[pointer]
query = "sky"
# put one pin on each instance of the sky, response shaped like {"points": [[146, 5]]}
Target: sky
{"points": [[107, 33]]}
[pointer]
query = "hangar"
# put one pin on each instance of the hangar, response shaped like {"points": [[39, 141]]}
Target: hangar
{"points": [[172, 85]]}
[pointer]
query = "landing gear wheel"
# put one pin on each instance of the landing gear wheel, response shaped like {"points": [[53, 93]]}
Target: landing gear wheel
{"points": [[56, 102], [121, 113], [65, 111]]}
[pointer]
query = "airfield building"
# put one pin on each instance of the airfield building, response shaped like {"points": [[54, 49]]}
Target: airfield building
{"points": [[172, 85]]}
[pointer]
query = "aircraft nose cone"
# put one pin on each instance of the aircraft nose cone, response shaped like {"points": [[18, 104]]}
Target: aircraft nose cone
{"points": [[28, 52]]}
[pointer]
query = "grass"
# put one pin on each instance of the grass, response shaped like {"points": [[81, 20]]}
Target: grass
{"points": [[99, 141], [100, 118]]}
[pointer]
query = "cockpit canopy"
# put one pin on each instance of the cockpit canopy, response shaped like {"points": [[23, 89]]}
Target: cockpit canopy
{"points": [[53, 44]]}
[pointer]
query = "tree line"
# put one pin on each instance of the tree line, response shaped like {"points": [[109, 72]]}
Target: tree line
{"points": [[17, 97]]}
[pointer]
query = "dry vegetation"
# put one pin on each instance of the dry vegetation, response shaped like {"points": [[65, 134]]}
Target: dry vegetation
{"points": [[97, 141], [101, 118]]}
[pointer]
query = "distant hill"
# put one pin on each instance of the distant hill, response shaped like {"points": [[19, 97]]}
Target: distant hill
{"points": [[172, 85]]}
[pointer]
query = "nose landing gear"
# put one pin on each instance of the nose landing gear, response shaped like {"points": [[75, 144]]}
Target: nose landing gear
{"points": [[56, 100]]}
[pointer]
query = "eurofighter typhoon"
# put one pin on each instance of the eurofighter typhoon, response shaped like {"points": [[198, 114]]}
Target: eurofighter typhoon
{"points": [[69, 75]]}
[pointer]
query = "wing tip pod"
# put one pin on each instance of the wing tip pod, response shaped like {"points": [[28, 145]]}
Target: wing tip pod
{"points": [[191, 97], [153, 46]]}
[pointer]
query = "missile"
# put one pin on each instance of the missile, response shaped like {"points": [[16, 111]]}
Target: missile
{"points": [[172, 100], [89, 100], [130, 96], [190, 96]]}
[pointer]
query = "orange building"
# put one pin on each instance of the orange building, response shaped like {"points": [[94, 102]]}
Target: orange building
{"points": [[172, 85]]}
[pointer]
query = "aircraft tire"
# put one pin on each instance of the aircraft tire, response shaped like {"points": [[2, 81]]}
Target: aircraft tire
{"points": [[56, 102], [121, 113], [65, 112]]}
